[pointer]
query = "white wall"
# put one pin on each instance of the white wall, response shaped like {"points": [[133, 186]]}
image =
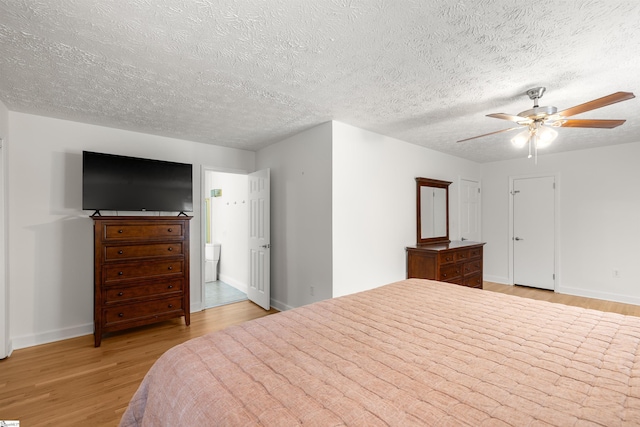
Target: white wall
{"points": [[300, 216], [599, 223], [5, 341], [50, 237], [230, 227], [374, 204]]}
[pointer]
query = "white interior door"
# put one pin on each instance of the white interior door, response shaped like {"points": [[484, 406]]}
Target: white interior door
{"points": [[534, 232], [470, 213], [259, 290]]}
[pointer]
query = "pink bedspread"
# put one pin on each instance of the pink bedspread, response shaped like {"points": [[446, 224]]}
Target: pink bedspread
{"points": [[416, 352]]}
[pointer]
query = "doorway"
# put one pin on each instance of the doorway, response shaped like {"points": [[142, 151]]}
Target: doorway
{"points": [[226, 237], [533, 232]]}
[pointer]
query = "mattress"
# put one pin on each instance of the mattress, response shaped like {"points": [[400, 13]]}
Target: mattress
{"points": [[415, 352]]}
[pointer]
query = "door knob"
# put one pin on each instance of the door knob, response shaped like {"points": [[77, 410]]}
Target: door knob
{"points": [[267, 246], [518, 238]]}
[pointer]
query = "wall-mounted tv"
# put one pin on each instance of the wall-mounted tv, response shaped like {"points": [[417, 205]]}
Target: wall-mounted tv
{"points": [[120, 183]]}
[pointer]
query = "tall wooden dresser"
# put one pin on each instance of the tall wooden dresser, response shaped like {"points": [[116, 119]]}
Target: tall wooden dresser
{"points": [[141, 272], [454, 262]]}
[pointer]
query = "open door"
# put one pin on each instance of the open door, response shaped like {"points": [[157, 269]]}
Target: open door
{"points": [[259, 290]]}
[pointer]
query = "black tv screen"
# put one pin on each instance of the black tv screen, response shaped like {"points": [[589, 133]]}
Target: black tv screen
{"points": [[120, 183]]}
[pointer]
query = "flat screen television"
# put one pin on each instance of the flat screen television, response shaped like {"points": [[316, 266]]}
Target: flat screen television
{"points": [[120, 183]]}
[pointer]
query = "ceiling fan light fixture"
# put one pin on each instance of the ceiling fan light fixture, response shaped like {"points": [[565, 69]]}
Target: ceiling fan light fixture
{"points": [[521, 139], [545, 136]]}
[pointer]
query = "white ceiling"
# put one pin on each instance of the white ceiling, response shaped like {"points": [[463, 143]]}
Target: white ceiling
{"points": [[247, 73]]}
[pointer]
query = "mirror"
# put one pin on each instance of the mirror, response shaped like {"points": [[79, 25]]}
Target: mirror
{"points": [[432, 202]]}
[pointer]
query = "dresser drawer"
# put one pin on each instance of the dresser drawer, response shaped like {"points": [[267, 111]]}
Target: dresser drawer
{"points": [[117, 294], [473, 281], [130, 312], [142, 231], [451, 256], [472, 266], [461, 255], [475, 253], [450, 272], [447, 257], [119, 272], [125, 252]]}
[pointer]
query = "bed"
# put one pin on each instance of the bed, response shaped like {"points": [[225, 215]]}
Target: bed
{"points": [[415, 352]]}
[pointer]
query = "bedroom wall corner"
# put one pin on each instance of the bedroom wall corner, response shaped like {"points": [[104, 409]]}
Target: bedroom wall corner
{"points": [[374, 210], [5, 338], [301, 205]]}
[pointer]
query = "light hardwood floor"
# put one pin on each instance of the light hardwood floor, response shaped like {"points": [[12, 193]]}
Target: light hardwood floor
{"points": [[541, 294], [71, 383]]}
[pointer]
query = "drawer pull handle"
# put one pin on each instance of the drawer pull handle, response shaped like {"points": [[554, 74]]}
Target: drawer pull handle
{"points": [[120, 273], [170, 248], [120, 252], [120, 231], [170, 305], [170, 230], [444, 275], [120, 294], [170, 286], [170, 268], [120, 314]]}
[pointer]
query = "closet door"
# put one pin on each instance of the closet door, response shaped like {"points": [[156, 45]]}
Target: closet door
{"points": [[534, 232], [470, 209]]}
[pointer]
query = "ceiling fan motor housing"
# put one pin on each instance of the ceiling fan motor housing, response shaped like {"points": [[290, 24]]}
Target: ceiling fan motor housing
{"points": [[539, 113]]}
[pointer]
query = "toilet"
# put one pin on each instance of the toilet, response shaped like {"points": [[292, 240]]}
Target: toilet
{"points": [[211, 258]]}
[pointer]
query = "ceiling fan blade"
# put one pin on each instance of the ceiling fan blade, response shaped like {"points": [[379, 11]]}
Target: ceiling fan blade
{"points": [[597, 103], [492, 133], [511, 117], [604, 124]]}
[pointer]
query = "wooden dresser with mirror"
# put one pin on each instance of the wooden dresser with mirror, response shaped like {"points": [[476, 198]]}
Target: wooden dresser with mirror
{"points": [[435, 256]]}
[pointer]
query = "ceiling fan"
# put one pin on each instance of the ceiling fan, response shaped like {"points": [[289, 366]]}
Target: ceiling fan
{"points": [[539, 121]]}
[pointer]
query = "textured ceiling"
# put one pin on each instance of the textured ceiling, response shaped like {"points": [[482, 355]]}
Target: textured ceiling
{"points": [[245, 74]]}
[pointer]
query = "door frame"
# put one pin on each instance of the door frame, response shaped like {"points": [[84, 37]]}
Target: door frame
{"points": [[203, 213], [556, 225], [5, 338]]}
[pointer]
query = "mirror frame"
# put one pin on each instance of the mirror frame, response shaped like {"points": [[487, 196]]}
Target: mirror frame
{"points": [[428, 182]]}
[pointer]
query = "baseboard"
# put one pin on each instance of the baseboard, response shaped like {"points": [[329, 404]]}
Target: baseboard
{"points": [[9, 350], [242, 287], [497, 279], [607, 296], [51, 336], [280, 306]]}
